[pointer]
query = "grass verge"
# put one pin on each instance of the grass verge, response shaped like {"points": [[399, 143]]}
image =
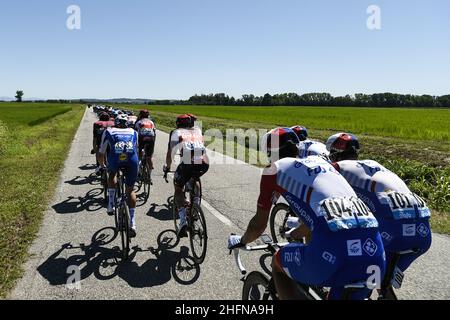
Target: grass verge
{"points": [[31, 157]]}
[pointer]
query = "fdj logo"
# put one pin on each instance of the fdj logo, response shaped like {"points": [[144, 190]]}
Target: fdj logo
{"points": [[370, 247], [423, 230]]}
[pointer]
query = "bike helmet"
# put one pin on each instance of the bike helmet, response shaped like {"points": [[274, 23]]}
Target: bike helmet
{"points": [[186, 121], [121, 121], [301, 132], [143, 114], [281, 142], [343, 146], [104, 116]]}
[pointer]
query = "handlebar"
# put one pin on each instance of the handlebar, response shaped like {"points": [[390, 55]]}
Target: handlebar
{"points": [[267, 247]]}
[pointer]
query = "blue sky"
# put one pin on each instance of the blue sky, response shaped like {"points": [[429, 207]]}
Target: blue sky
{"points": [[176, 48]]}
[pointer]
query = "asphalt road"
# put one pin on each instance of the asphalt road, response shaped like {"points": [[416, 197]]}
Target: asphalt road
{"points": [[77, 237]]}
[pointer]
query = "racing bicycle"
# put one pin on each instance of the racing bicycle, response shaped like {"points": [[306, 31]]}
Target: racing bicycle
{"points": [[195, 217]]}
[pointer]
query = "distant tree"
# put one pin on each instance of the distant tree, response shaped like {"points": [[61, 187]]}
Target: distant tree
{"points": [[19, 95]]}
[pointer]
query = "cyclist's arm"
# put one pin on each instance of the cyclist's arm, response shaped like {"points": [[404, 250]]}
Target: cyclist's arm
{"points": [[170, 149], [258, 223]]}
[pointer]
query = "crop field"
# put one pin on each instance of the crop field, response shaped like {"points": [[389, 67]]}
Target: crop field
{"points": [[34, 140], [414, 143], [408, 124]]}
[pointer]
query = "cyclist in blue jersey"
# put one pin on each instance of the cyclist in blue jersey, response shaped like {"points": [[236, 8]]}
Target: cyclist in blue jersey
{"points": [[121, 146], [403, 216], [345, 242]]}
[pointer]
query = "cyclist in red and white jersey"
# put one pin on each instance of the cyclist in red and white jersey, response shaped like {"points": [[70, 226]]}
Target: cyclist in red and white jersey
{"points": [[188, 140]]}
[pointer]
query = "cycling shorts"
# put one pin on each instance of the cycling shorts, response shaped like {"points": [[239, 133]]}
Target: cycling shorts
{"points": [[129, 166], [185, 172]]}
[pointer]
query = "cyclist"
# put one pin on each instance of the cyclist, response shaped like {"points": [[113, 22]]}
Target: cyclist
{"points": [[147, 135], [309, 147], [122, 145], [100, 127], [188, 140], [131, 121], [403, 216], [344, 236]]}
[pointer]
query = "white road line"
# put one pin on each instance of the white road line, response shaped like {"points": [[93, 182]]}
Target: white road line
{"points": [[217, 214], [214, 211]]}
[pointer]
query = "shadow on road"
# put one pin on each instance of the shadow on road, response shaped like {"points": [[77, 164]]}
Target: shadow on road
{"points": [[92, 201], [87, 167], [78, 180], [105, 263], [161, 212]]}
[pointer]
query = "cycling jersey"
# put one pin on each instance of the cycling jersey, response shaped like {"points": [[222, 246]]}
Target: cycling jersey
{"points": [[403, 216], [190, 143], [146, 128], [122, 145], [345, 237], [312, 148], [99, 128]]}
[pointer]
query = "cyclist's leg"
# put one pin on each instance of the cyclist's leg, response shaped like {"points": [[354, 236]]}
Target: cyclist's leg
{"points": [[395, 241], [182, 175], [198, 171], [302, 264], [149, 150], [366, 266], [286, 287], [112, 182], [96, 149], [131, 173]]}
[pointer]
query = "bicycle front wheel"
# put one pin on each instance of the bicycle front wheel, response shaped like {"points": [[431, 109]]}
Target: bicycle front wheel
{"points": [[146, 182], [278, 218], [198, 236], [256, 287]]}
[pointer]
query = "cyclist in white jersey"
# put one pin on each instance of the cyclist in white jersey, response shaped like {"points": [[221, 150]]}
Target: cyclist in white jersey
{"points": [[403, 216], [188, 140]]}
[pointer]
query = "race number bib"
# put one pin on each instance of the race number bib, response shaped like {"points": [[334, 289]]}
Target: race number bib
{"points": [[347, 213], [404, 206]]}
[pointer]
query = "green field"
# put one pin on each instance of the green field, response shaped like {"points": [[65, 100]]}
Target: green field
{"points": [[423, 124], [414, 143], [34, 140]]}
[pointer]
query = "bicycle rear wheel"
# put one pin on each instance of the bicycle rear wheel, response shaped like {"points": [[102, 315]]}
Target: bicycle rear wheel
{"points": [[146, 181], [124, 222], [278, 218], [198, 236], [256, 287]]}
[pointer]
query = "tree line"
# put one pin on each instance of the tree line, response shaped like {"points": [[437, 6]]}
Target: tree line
{"points": [[318, 99]]}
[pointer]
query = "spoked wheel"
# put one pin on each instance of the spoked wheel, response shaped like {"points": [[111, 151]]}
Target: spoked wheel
{"points": [[278, 218], [146, 182], [198, 236], [124, 226], [257, 287]]}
